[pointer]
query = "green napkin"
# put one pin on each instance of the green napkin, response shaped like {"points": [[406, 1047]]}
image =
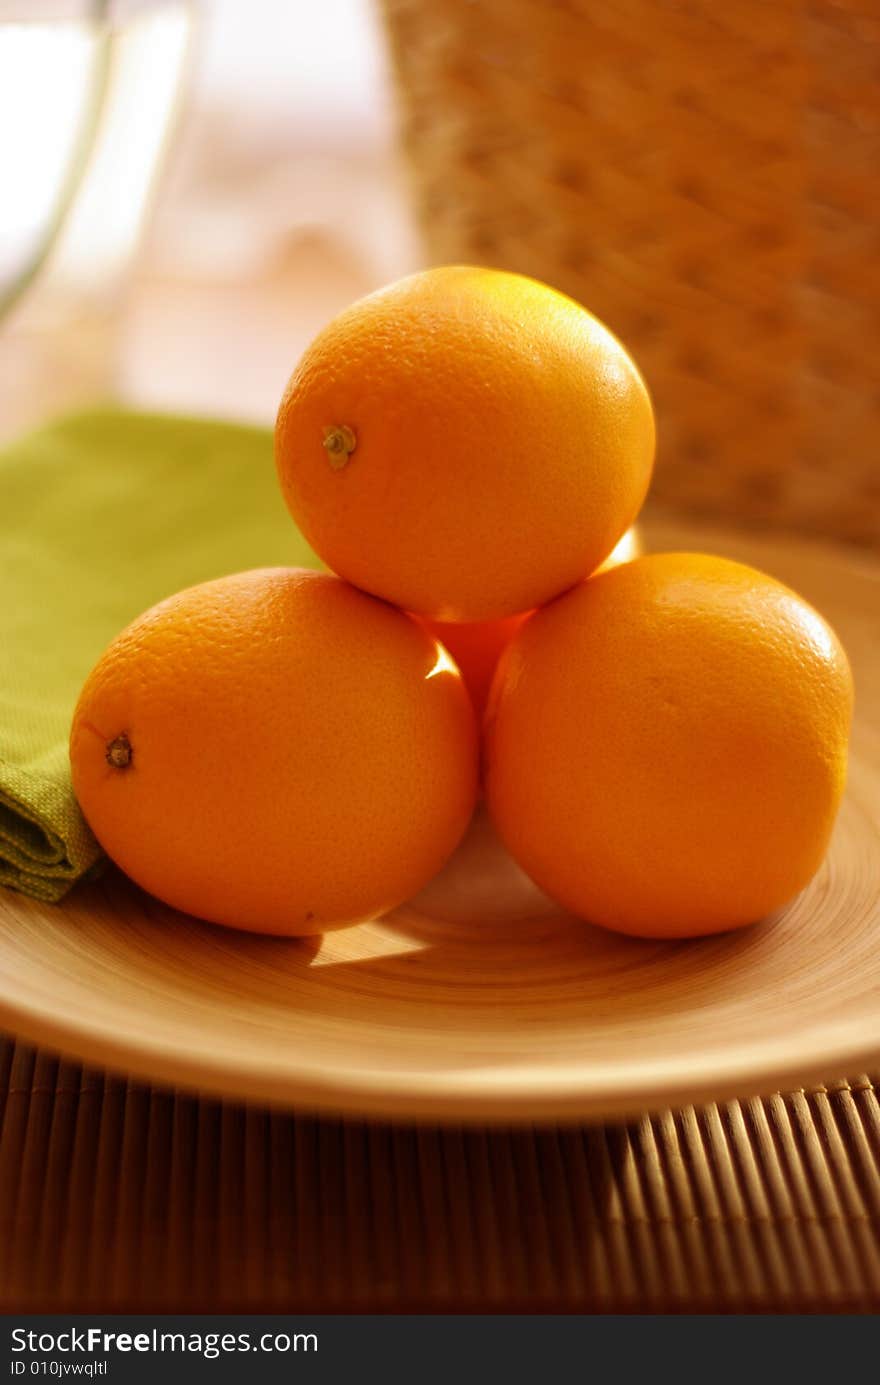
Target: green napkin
{"points": [[101, 515]]}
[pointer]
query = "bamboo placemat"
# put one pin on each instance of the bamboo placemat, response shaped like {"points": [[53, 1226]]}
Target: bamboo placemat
{"points": [[115, 1196]]}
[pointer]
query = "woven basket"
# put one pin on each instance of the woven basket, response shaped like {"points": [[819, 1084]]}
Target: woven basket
{"points": [[706, 178]]}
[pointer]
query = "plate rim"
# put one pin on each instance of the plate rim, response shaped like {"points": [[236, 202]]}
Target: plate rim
{"points": [[432, 1098]]}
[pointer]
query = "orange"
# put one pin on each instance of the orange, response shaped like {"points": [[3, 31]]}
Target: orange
{"points": [[465, 443], [476, 648], [666, 745], [276, 751]]}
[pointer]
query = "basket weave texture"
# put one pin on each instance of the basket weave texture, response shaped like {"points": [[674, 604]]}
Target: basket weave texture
{"points": [[705, 177]]}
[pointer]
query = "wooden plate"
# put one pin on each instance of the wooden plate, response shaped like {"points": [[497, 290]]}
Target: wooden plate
{"points": [[480, 1001]]}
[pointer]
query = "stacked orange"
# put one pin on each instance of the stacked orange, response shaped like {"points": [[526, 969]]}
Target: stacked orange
{"points": [[664, 742]]}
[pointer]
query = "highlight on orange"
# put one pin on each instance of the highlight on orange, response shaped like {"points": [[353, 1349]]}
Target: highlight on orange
{"points": [[477, 647]]}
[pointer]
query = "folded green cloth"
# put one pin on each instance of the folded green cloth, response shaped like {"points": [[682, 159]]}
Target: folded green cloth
{"points": [[101, 515]]}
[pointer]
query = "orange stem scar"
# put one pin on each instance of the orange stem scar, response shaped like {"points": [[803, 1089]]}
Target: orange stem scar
{"points": [[339, 443], [119, 752]]}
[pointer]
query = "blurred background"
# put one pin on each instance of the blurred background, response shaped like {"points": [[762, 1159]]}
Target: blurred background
{"points": [[190, 190], [238, 186]]}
